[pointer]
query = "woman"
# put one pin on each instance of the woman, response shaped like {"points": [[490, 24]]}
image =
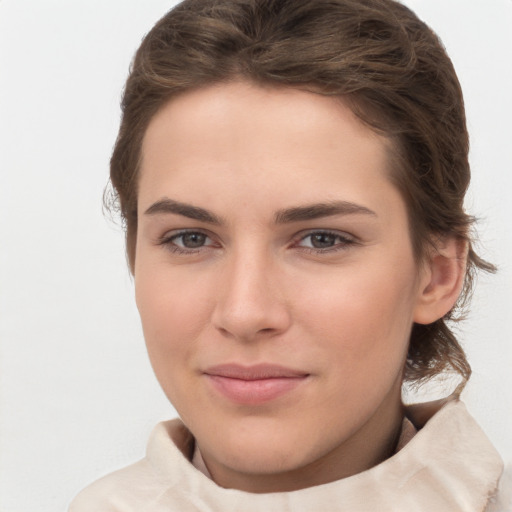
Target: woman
{"points": [[291, 175]]}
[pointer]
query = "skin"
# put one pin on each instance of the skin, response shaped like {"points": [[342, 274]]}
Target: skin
{"points": [[333, 296]]}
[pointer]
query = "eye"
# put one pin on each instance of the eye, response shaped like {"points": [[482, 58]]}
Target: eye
{"points": [[324, 241], [190, 240], [186, 241]]}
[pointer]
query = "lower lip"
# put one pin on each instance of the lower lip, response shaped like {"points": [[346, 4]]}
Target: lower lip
{"points": [[254, 392]]}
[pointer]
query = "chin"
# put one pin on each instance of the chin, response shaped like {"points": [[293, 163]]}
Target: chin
{"points": [[264, 447]]}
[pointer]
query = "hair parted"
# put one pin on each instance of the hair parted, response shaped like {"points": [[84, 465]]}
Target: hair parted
{"points": [[385, 63]]}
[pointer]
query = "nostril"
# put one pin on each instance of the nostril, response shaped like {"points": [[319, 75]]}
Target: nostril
{"points": [[223, 331]]}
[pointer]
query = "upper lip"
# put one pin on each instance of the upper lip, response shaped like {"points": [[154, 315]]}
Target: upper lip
{"points": [[254, 372]]}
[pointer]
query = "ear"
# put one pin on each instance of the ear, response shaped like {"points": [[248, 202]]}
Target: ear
{"points": [[441, 279]]}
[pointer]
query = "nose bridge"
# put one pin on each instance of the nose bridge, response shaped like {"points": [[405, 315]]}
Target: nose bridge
{"points": [[250, 302]]}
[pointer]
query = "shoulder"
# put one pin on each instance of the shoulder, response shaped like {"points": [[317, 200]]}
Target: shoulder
{"points": [[463, 458], [127, 489], [139, 485], [502, 500]]}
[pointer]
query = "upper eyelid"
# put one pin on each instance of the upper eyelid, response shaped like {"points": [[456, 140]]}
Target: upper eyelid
{"points": [[184, 233], [342, 234], [172, 233]]}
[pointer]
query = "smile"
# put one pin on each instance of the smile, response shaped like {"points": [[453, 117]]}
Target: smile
{"points": [[253, 385]]}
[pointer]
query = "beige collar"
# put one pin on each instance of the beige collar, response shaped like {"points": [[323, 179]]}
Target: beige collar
{"points": [[449, 466]]}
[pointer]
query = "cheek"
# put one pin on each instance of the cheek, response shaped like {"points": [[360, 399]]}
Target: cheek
{"points": [[173, 317], [362, 320]]}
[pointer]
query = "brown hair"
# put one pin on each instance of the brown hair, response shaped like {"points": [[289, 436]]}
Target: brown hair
{"points": [[376, 54]]}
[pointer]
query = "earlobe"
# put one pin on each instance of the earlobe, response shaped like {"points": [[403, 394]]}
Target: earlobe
{"points": [[442, 280]]}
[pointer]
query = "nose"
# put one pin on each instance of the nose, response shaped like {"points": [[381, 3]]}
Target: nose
{"points": [[250, 301]]}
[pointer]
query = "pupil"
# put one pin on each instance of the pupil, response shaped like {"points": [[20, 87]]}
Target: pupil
{"points": [[193, 240], [322, 240]]}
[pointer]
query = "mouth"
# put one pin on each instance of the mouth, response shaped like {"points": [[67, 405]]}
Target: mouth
{"points": [[253, 385]]}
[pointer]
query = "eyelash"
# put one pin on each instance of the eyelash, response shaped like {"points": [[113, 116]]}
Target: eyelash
{"points": [[168, 242], [344, 242]]}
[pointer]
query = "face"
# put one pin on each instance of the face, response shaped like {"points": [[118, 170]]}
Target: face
{"points": [[276, 282]]}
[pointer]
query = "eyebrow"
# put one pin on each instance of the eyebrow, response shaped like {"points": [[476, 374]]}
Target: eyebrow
{"points": [[319, 210], [285, 216], [186, 210]]}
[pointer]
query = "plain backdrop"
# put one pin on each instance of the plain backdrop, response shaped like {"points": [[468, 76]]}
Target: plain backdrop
{"points": [[77, 394]]}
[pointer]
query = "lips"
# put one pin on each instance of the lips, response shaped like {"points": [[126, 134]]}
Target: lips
{"points": [[253, 385]]}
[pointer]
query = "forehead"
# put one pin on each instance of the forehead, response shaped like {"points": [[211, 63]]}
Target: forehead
{"points": [[239, 138], [252, 110]]}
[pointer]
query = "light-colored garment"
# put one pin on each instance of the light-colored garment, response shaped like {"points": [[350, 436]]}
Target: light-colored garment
{"points": [[448, 466]]}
